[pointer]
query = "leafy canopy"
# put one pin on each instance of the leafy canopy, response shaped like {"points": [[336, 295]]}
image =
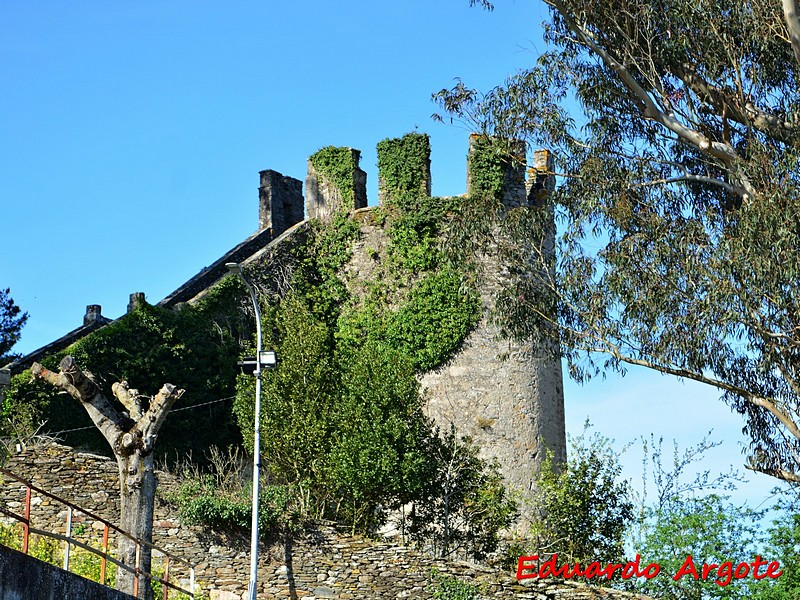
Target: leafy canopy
{"points": [[677, 137]]}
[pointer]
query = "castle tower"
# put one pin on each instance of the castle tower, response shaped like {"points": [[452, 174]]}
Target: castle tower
{"points": [[334, 182], [507, 395]]}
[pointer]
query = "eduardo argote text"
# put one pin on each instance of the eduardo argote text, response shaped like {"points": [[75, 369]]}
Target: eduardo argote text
{"points": [[529, 567]]}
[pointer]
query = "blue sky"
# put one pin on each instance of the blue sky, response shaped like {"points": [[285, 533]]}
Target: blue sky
{"points": [[132, 133]]}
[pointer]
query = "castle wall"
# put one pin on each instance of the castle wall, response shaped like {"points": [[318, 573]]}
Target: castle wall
{"points": [[506, 395]]}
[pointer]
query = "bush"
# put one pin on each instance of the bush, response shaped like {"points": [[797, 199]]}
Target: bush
{"points": [[450, 588], [465, 506], [585, 509], [221, 496]]}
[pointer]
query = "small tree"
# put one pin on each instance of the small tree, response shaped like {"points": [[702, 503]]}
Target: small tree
{"points": [[11, 321], [132, 436], [466, 504], [783, 540], [687, 517]]}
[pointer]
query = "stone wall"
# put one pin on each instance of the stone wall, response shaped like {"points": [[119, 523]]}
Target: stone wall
{"points": [[507, 395], [322, 563], [25, 578]]}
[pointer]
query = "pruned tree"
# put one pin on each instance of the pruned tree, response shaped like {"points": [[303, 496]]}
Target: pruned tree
{"points": [[676, 126], [132, 435]]}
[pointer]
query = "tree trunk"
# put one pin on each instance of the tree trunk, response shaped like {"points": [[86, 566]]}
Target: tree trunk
{"points": [[137, 492], [132, 437]]}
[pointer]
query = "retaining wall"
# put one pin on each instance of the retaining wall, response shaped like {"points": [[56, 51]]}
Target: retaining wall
{"points": [[320, 564]]}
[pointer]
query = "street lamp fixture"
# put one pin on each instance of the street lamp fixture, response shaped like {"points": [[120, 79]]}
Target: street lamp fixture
{"points": [[265, 359]]}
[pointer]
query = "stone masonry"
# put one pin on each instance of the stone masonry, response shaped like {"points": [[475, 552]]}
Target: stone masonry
{"points": [[323, 563], [323, 198], [280, 202], [507, 395]]}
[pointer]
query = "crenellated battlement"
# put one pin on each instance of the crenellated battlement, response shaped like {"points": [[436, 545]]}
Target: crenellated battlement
{"points": [[336, 181], [507, 395]]}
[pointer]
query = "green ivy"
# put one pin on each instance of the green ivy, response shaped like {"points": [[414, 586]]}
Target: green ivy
{"points": [[318, 262], [346, 428], [486, 166], [193, 348], [414, 230], [403, 164], [439, 314], [338, 165]]}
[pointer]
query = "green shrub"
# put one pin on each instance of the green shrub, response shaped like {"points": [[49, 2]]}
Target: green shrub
{"points": [[585, 508], [451, 588]]}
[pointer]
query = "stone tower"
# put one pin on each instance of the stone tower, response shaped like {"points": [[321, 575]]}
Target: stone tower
{"points": [[507, 395]]}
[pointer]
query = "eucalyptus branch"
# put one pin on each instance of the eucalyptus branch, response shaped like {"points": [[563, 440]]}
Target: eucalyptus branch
{"points": [[791, 13], [605, 346], [736, 108], [722, 151], [777, 473], [768, 336], [739, 191], [765, 403]]}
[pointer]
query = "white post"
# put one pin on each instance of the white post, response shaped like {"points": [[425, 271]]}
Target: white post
{"points": [[251, 588], [69, 537]]}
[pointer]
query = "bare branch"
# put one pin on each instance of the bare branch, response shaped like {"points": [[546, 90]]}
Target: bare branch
{"points": [[155, 416], [754, 399], [129, 398], [111, 423]]}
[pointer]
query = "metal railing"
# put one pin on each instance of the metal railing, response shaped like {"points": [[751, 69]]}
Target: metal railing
{"points": [[27, 530]]}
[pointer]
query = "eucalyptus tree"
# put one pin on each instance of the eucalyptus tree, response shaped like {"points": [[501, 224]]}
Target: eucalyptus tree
{"points": [[676, 130]]}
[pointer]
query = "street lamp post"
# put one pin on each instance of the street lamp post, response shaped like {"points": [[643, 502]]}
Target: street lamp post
{"points": [[251, 588]]}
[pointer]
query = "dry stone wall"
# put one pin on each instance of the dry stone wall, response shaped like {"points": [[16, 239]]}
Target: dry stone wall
{"points": [[322, 563]]}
